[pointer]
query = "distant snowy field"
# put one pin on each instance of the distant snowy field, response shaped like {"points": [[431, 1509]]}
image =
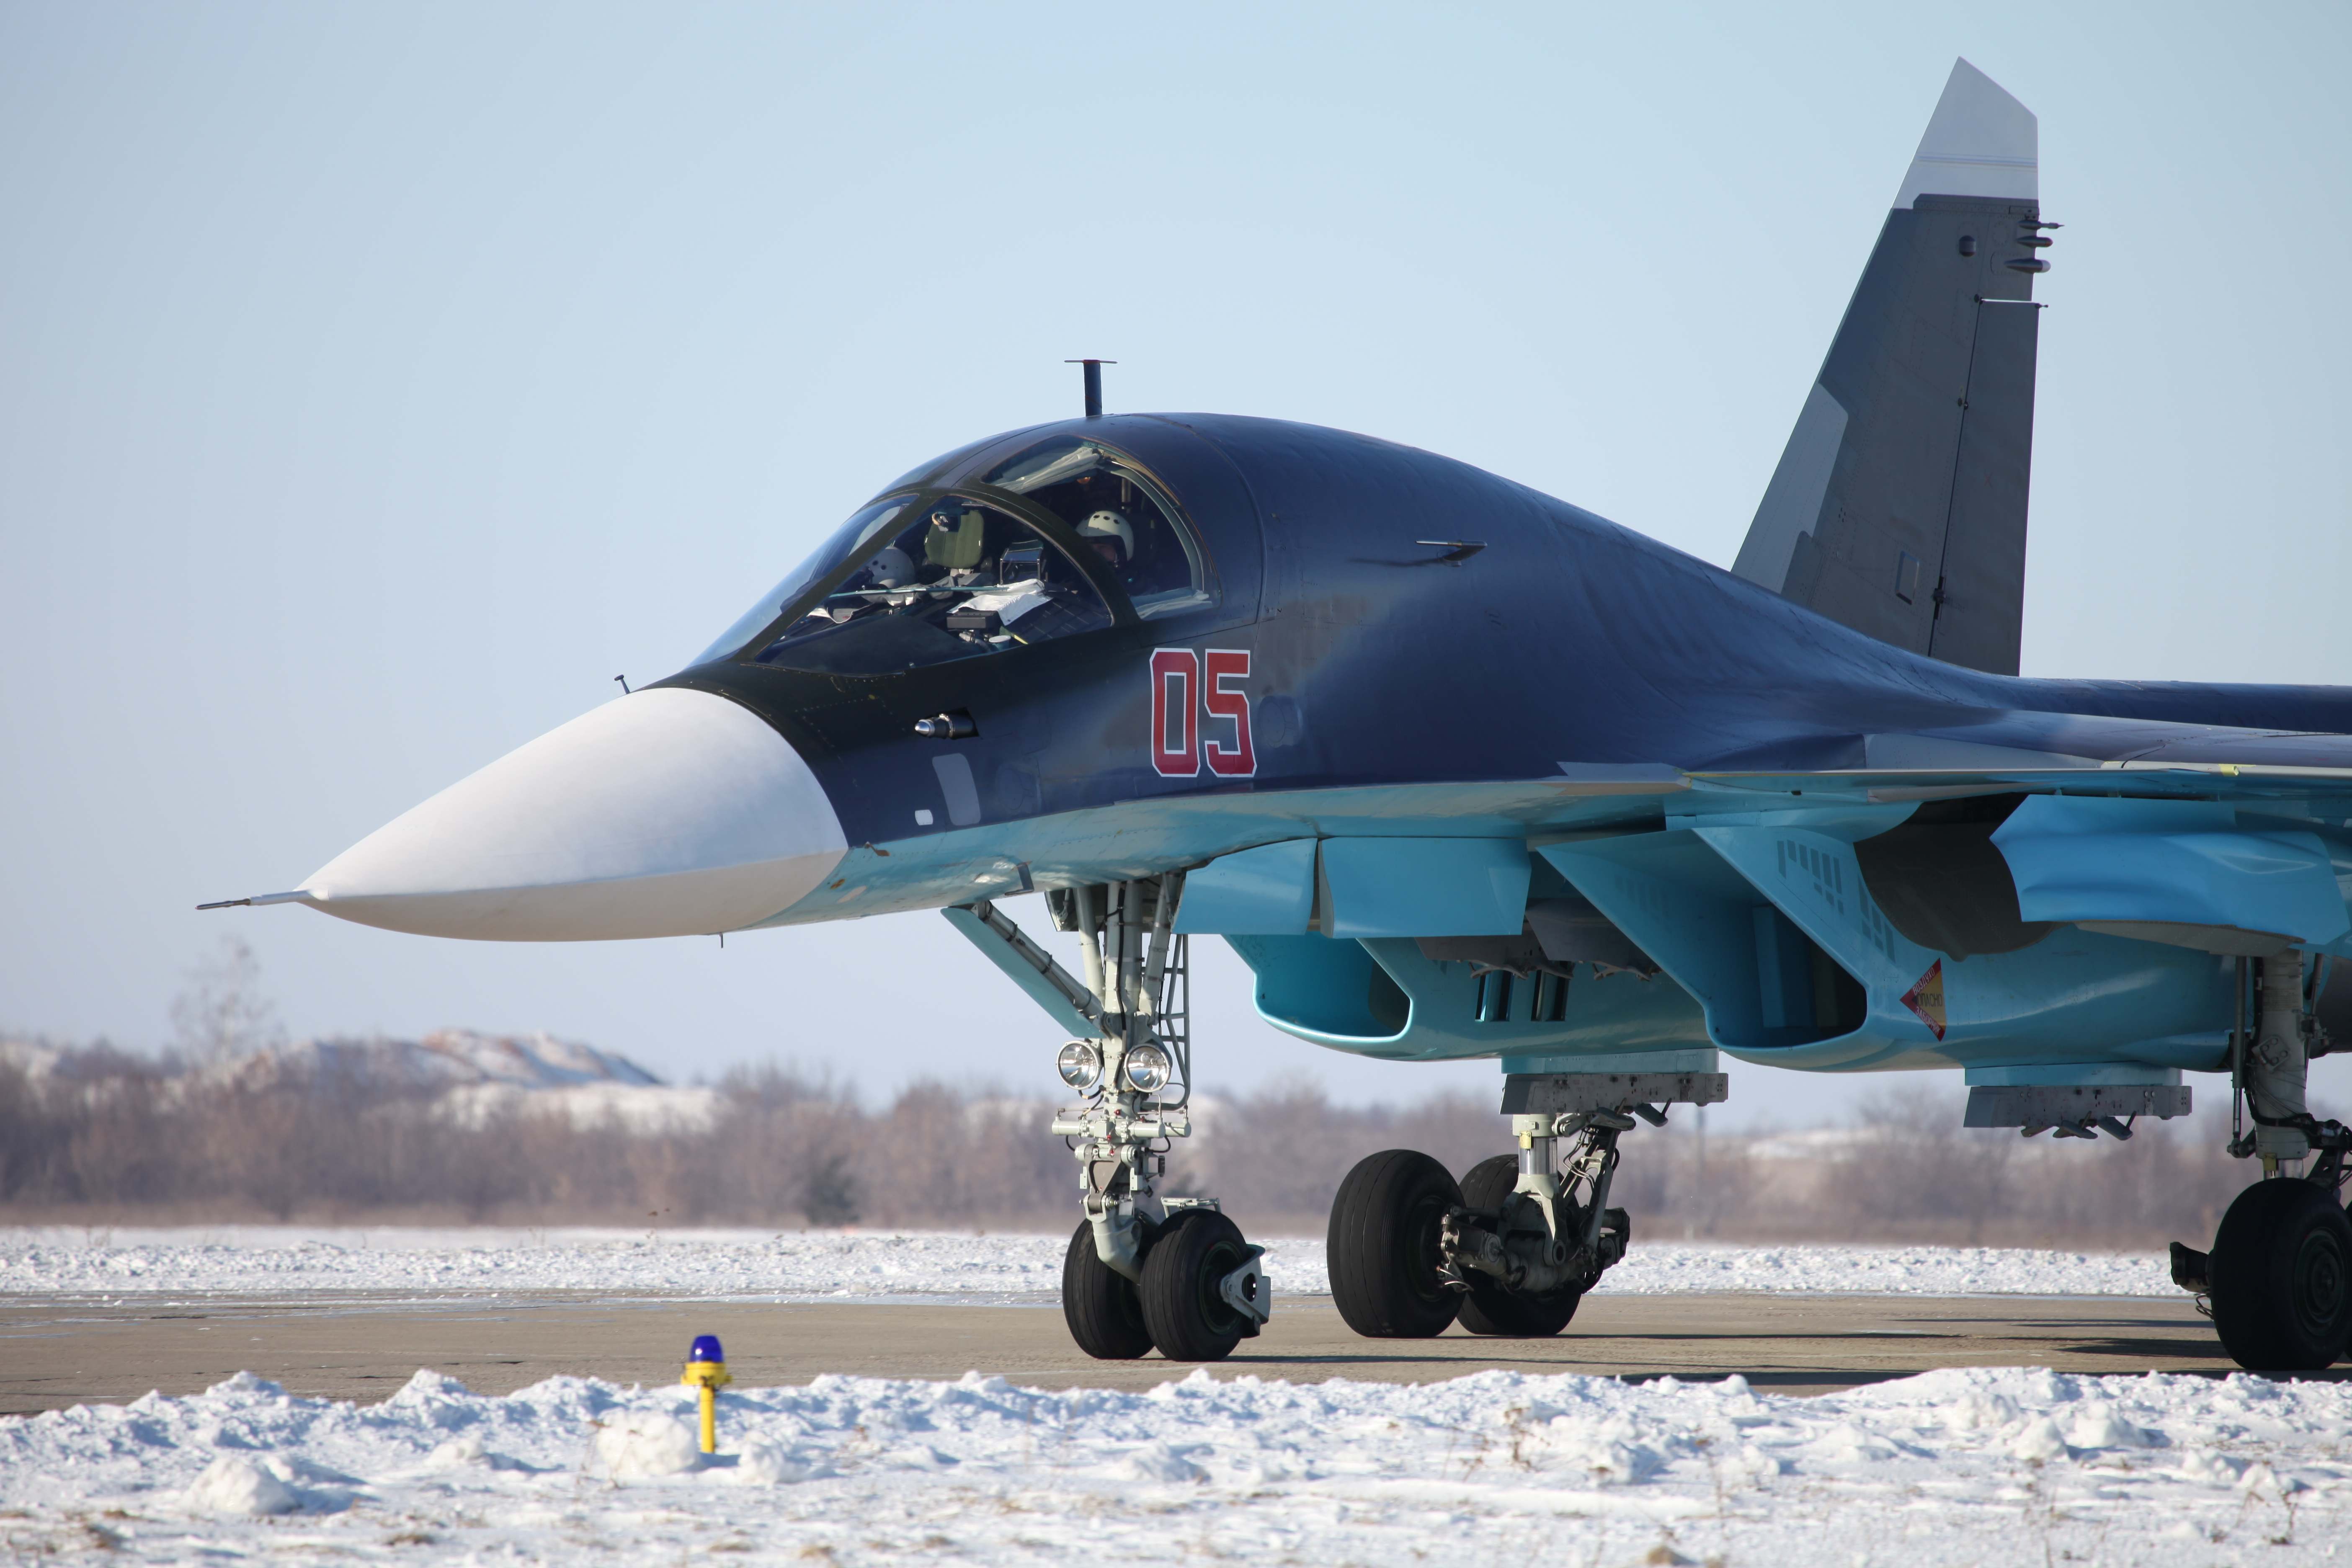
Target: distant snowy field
{"points": [[274, 1260], [1976, 1466]]}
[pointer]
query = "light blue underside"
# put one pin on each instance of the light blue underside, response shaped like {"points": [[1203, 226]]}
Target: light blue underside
{"points": [[1322, 988], [1265, 892], [1425, 887], [2172, 862], [1690, 896]]}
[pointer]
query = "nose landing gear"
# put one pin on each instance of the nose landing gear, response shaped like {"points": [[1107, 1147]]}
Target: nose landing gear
{"points": [[1142, 1271]]}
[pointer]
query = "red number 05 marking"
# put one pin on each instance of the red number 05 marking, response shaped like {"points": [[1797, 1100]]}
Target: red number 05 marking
{"points": [[1183, 685]]}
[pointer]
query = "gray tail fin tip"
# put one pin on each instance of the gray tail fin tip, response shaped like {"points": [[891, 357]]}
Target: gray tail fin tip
{"points": [[1899, 505]]}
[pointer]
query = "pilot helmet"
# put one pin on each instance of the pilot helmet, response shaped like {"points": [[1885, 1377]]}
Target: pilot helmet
{"points": [[891, 567], [1108, 524]]}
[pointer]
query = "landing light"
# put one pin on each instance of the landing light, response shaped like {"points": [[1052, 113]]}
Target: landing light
{"points": [[1146, 1068], [1079, 1064]]}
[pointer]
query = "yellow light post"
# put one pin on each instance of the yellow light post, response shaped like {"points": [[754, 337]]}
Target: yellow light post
{"points": [[705, 1370]]}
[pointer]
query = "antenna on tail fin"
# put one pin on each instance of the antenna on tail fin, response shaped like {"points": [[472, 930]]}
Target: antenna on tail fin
{"points": [[1898, 508]]}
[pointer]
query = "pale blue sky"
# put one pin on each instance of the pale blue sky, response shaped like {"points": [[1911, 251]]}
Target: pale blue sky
{"points": [[380, 380]]}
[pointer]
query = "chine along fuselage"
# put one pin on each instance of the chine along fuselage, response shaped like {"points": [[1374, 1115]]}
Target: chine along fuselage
{"points": [[1461, 769]]}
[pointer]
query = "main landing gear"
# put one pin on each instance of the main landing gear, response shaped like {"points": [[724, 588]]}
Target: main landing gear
{"points": [[2278, 1283], [1142, 1271], [1512, 1248]]}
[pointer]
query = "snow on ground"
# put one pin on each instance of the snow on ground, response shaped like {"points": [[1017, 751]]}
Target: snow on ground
{"points": [[764, 1265], [1976, 1467], [1980, 1466]]}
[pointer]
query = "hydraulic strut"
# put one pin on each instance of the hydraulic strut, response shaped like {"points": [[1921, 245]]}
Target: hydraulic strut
{"points": [[1555, 1230]]}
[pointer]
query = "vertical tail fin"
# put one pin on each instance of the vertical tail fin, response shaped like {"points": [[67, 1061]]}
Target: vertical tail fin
{"points": [[1899, 504]]}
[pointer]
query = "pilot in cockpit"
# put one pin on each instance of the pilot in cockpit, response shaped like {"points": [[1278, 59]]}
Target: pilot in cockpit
{"points": [[1113, 538], [889, 567]]}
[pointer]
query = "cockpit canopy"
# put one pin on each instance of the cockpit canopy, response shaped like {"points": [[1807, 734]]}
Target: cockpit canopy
{"points": [[1123, 515], [1044, 545]]}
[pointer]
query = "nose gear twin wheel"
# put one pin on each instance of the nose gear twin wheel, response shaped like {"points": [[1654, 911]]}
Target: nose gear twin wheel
{"points": [[1487, 1308], [2280, 1277], [1383, 1246], [1179, 1306], [1184, 1307], [1101, 1305]]}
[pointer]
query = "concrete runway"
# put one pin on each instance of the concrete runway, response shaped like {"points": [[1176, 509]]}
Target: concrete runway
{"points": [[58, 1352]]}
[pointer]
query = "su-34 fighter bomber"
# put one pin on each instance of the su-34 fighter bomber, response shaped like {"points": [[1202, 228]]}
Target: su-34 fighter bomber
{"points": [[1460, 770]]}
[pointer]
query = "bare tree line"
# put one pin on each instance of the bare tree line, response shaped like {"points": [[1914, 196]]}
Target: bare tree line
{"points": [[104, 1137]]}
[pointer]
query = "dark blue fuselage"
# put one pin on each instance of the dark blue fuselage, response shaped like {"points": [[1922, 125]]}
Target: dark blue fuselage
{"points": [[1567, 640], [1563, 681]]}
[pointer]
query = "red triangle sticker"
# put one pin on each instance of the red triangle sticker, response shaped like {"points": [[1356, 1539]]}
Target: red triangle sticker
{"points": [[1926, 998]]}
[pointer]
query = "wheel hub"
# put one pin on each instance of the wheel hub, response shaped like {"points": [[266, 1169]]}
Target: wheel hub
{"points": [[2322, 1277]]}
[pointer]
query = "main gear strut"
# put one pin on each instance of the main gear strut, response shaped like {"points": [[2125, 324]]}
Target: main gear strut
{"points": [[1545, 1239], [1512, 1248], [2278, 1282]]}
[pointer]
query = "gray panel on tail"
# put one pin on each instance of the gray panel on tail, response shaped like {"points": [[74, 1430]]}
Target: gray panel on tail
{"points": [[1899, 504]]}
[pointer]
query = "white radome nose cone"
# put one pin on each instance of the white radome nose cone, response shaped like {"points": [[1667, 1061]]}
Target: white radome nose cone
{"points": [[666, 812]]}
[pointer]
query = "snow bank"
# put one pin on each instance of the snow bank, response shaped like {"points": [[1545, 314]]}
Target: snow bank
{"points": [[471, 1077], [269, 1260], [1980, 1466], [447, 1059]]}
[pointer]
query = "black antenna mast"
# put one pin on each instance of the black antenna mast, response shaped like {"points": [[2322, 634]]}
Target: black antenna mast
{"points": [[1094, 383]]}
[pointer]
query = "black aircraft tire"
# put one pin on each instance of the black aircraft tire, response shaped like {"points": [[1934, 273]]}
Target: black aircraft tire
{"points": [[1101, 1305], [1489, 1309], [1382, 1246], [1189, 1257], [2280, 1277]]}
